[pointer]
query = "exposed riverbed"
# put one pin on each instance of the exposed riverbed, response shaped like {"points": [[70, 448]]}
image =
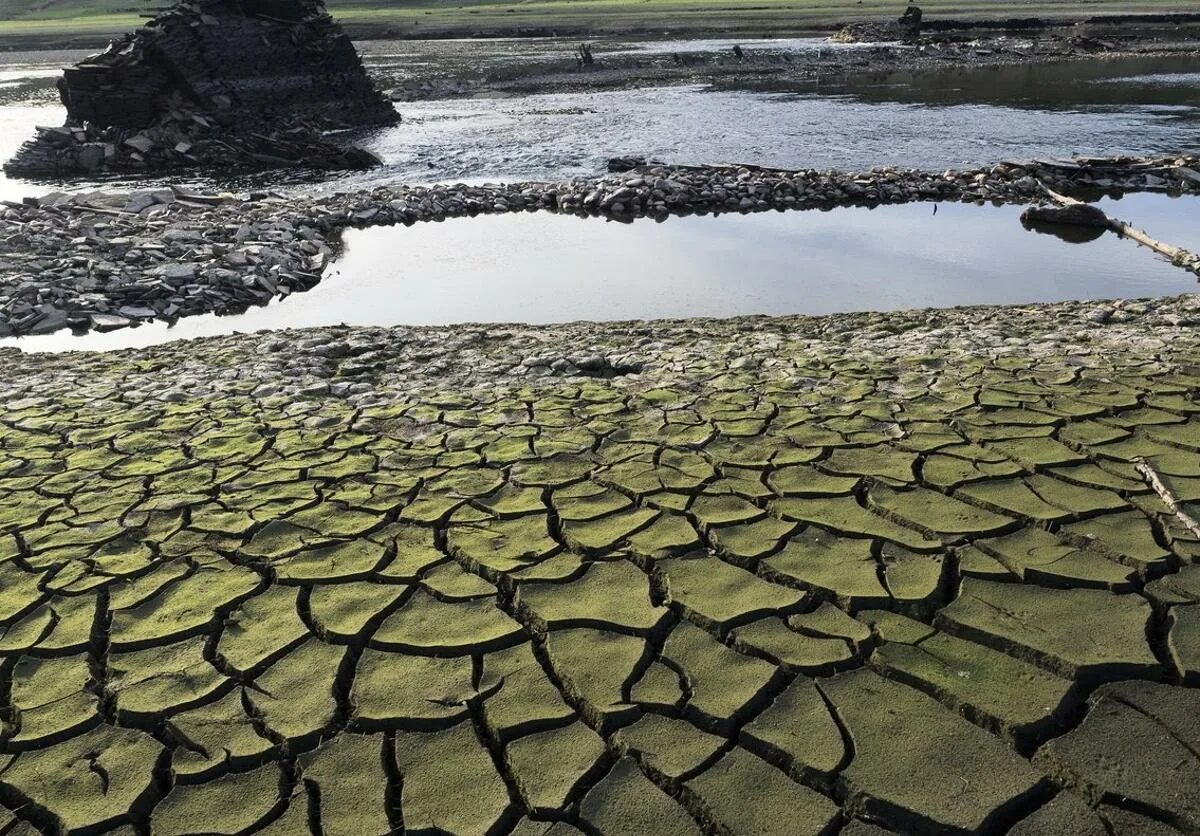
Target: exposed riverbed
{"points": [[243, 574]]}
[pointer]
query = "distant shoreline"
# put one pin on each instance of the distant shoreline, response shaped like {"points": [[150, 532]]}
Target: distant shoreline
{"points": [[737, 19]]}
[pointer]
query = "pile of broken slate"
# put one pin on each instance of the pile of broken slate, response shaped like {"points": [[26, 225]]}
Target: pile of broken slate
{"points": [[233, 84], [105, 261]]}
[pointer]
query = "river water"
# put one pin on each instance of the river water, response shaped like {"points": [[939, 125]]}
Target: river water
{"points": [[929, 120], [542, 268]]}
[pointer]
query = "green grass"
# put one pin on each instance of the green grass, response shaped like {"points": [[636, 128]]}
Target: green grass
{"points": [[81, 24], [64, 17]]}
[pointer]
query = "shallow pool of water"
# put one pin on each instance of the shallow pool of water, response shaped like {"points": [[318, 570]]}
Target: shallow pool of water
{"points": [[542, 268]]}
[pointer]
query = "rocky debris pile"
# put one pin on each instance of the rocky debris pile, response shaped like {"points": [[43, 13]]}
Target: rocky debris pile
{"points": [[222, 83], [104, 261], [906, 28], [867, 32], [119, 260]]}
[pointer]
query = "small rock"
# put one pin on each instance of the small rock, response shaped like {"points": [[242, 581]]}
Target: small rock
{"points": [[139, 202], [108, 322], [1078, 214]]}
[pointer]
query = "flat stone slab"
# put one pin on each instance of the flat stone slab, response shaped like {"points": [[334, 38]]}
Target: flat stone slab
{"points": [[909, 784], [1079, 633]]}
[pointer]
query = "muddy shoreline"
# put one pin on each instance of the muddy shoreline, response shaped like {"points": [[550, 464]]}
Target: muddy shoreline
{"points": [[944, 43], [108, 261], [947, 45], [773, 71], [640, 354]]}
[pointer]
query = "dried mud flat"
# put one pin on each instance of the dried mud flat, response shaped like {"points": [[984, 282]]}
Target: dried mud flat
{"points": [[927, 572]]}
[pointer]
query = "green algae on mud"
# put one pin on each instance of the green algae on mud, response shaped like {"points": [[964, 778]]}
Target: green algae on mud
{"points": [[342, 576]]}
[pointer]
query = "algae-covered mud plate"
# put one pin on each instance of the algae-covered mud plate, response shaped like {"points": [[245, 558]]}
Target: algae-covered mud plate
{"points": [[925, 573]]}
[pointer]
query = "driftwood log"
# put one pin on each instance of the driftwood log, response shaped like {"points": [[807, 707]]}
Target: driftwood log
{"points": [[1076, 212]]}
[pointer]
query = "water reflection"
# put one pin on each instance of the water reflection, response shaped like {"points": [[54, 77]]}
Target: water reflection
{"points": [[551, 268], [1071, 233]]}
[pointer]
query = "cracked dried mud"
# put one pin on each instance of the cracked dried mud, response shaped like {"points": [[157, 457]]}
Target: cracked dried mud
{"points": [[923, 572]]}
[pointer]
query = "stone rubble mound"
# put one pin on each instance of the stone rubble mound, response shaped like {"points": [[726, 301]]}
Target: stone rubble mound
{"points": [[229, 83]]}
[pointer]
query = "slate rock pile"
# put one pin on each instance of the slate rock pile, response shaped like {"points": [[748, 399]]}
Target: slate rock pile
{"points": [[245, 83], [109, 261]]}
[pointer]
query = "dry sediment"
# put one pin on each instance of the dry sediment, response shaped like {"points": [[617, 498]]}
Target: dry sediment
{"points": [[107, 261], [621, 578]]}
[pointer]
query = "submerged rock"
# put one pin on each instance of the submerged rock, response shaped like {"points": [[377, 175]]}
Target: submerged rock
{"points": [[242, 83], [1076, 214]]}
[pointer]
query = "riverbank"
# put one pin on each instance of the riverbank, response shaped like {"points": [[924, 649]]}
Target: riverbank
{"points": [[89, 25], [109, 261], [629, 58], [855, 52]]}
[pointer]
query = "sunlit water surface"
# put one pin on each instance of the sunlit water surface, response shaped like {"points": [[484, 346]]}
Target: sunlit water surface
{"points": [[930, 120]]}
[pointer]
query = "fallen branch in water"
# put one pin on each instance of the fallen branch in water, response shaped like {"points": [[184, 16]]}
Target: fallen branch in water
{"points": [[1164, 493], [1176, 255]]}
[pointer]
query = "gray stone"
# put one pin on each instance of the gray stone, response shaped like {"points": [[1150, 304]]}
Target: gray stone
{"points": [[108, 322], [139, 202], [177, 272], [1076, 214], [1137, 743], [90, 157]]}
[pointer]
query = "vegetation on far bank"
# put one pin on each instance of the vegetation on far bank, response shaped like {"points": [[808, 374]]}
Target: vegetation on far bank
{"points": [[66, 18]]}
